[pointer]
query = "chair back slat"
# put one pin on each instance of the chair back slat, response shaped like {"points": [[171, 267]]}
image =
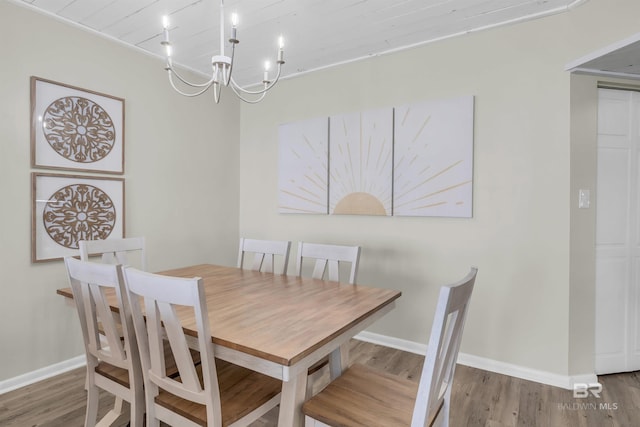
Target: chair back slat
{"points": [[259, 263], [434, 389], [264, 252], [319, 268], [333, 270], [179, 348], [112, 350], [328, 259]]}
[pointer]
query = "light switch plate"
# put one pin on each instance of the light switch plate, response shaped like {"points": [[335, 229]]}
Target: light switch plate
{"points": [[584, 199]]}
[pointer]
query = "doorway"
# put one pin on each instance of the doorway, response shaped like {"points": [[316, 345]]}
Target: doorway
{"points": [[617, 298]]}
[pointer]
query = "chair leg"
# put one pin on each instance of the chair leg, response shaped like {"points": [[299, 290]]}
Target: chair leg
{"points": [[86, 379], [151, 418], [93, 396], [116, 415], [442, 420], [137, 412]]}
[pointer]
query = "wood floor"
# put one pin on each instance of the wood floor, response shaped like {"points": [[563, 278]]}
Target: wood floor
{"points": [[480, 398]]}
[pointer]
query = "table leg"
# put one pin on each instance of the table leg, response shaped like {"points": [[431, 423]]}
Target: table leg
{"points": [[291, 400], [344, 355], [338, 361]]}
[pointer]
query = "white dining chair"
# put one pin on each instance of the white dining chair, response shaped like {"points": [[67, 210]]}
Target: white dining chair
{"points": [[116, 251], [365, 397], [327, 260], [264, 253], [214, 393], [113, 363]]}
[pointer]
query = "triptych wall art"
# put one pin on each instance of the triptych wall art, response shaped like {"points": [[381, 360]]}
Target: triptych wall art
{"points": [[76, 130], [413, 160]]}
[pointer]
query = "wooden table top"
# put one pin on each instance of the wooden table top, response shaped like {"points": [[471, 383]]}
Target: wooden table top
{"points": [[277, 318]]}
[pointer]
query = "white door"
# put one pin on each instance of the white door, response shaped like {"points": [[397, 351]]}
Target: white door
{"points": [[618, 232]]}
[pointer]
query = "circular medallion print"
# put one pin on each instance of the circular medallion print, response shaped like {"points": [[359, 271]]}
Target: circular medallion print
{"points": [[78, 129], [79, 212]]}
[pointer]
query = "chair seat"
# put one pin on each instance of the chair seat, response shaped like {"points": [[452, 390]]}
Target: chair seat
{"points": [[241, 391], [364, 397], [118, 375], [121, 376]]}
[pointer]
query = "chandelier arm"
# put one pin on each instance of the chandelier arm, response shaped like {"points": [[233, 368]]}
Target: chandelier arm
{"points": [[256, 92], [230, 73], [173, 85], [216, 92], [248, 101], [188, 83]]}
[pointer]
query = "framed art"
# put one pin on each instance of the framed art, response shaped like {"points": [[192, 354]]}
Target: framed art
{"points": [[70, 208], [76, 129]]}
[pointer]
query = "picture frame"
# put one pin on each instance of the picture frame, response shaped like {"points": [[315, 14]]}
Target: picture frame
{"points": [[76, 129], [70, 208]]}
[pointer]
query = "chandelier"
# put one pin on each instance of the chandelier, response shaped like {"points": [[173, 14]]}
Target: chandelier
{"points": [[222, 66]]}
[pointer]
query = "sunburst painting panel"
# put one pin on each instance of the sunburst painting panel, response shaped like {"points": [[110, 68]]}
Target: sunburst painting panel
{"points": [[433, 158], [303, 170], [70, 208], [361, 163]]}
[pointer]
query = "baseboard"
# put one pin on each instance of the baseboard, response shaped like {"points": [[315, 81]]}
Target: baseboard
{"points": [[563, 381], [543, 377], [41, 374]]}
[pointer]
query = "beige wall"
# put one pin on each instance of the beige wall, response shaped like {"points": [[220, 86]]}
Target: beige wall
{"points": [[519, 236], [181, 175]]}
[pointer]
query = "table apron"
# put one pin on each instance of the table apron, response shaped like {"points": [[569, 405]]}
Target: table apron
{"points": [[249, 361]]}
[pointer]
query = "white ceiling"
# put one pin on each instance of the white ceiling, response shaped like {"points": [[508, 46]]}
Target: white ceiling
{"points": [[318, 33]]}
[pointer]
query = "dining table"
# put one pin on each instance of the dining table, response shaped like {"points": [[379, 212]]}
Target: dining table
{"points": [[281, 325]]}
